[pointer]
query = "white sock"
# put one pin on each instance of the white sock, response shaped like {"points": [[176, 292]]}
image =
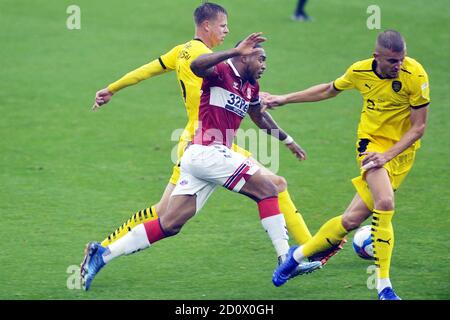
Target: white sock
{"points": [[298, 254], [133, 241], [276, 229], [383, 283]]}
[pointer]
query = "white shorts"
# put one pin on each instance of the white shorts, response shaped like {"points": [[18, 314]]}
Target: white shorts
{"points": [[205, 167]]}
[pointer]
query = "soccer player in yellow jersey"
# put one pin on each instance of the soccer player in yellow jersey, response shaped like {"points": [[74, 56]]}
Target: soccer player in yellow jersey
{"points": [[395, 91], [210, 30]]}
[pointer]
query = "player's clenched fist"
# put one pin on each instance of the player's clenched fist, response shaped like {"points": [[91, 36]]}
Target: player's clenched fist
{"points": [[101, 97]]}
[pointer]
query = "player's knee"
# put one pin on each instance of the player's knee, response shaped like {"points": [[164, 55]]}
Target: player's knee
{"points": [[351, 222], [385, 203], [280, 183], [268, 189]]}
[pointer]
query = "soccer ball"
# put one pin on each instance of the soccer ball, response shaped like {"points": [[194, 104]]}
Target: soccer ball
{"points": [[362, 243]]}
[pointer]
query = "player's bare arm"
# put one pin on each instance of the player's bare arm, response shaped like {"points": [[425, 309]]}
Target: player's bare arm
{"points": [[265, 122], [418, 119], [203, 65], [315, 93]]}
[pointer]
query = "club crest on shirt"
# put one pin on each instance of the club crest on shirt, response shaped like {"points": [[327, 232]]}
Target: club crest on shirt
{"points": [[396, 85], [249, 93], [236, 85]]}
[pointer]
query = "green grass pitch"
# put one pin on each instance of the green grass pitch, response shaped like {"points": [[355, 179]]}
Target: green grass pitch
{"points": [[69, 175]]}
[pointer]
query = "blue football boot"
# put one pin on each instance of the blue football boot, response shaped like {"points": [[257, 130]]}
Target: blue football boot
{"points": [[290, 268], [92, 263], [388, 294]]}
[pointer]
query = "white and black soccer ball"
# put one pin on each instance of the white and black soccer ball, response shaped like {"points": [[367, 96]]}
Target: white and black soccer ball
{"points": [[362, 243]]}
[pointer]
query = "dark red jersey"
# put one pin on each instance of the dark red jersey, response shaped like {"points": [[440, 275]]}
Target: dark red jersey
{"points": [[225, 99]]}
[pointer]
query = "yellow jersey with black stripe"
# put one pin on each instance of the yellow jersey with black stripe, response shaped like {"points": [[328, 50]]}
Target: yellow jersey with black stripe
{"points": [[179, 60], [387, 103]]}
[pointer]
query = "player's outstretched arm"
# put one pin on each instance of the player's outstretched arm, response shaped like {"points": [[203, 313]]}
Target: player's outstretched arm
{"points": [[154, 68], [203, 65], [312, 94], [265, 122]]}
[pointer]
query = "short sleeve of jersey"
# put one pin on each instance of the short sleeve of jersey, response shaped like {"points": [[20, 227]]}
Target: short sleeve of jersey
{"points": [[169, 59], [420, 89], [345, 81]]}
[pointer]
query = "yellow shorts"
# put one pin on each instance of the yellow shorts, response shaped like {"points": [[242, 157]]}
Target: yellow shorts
{"points": [[180, 151], [398, 168]]}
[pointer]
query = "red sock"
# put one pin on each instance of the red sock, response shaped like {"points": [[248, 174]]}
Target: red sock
{"points": [[268, 207], [154, 231], [274, 224]]}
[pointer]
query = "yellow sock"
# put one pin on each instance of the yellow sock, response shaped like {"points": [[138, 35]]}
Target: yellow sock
{"points": [[138, 218], [383, 241], [330, 234], [294, 221]]}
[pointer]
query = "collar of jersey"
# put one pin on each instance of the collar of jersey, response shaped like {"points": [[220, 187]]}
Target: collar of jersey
{"points": [[233, 68], [374, 69], [198, 39]]}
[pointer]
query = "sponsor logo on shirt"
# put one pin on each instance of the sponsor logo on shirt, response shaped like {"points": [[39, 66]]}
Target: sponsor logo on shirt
{"points": [[232, 102]]}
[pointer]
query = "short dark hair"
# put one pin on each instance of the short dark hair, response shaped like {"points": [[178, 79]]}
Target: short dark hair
{"points": [[207, 11], [392, 40]]}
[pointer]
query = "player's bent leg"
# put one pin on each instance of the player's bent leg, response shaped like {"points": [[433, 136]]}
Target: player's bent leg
{"points": [[148, 214], [139, 217], [330, 234], [264, 191], [355, 214], [259, 186], [181, 208], [381, 189], [382, 230], [142, 236], [161, 206], [295, 223]]}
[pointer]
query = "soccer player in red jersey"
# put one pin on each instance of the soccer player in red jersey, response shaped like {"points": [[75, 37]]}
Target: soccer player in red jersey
{"points": [[229, 90]]}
